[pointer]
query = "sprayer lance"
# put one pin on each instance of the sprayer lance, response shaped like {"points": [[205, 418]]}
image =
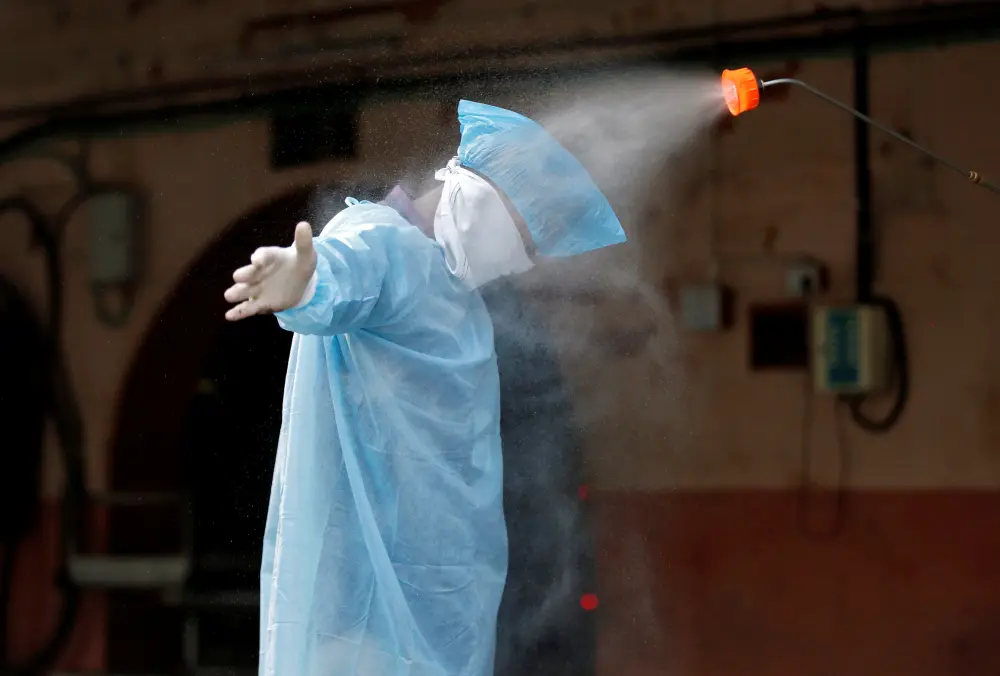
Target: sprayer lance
{"points": [[741, 90]]}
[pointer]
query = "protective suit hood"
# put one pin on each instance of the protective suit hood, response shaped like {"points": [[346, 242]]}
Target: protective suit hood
{"points": [[478, 234], [565, 212]]}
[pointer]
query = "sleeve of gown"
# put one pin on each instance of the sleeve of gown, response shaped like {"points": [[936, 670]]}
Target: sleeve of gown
{"points": [[351, 283]]}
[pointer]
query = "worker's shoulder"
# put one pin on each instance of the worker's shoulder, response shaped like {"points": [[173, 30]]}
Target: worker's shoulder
{"points": [[365, 217]]}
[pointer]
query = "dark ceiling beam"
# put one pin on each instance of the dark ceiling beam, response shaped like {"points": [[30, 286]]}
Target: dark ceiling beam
{"points": [[800, 36]]}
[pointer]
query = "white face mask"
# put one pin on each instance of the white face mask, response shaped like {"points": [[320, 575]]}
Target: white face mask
{"points": [[478, 234]]}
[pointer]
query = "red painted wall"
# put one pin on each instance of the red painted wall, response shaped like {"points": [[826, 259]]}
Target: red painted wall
{"points": [[719, 584], [36, 602], [732, 583]]}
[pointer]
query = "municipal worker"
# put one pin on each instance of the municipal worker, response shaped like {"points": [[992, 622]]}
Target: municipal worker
{"points": [[385, 549]]}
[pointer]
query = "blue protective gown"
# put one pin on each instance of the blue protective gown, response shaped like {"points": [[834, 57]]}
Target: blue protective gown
{"points": [[385, 550]]}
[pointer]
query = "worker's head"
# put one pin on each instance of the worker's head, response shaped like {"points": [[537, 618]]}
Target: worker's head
{"points": [[543, 185], [513, 192]]}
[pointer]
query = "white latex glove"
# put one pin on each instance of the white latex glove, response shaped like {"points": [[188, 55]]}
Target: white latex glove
{"points": [[276, 278]]}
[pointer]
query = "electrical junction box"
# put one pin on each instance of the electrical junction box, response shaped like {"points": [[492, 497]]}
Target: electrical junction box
{"points": [[851, 349]]}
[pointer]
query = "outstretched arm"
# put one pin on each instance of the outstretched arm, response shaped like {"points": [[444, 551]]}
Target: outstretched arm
{"points": [[323, 286], [276, 278]]}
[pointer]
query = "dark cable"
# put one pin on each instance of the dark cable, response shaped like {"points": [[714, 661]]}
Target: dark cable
{"points": [[901, 374], [806, 492], [24, 394], [43, 236], [864, 251], [64, 410]]}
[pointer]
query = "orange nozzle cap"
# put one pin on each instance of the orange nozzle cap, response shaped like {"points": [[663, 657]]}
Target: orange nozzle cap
{"points": [[740, 90]]}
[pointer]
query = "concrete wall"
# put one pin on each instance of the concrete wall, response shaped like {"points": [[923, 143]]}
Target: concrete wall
{"points": [[698, 460]]}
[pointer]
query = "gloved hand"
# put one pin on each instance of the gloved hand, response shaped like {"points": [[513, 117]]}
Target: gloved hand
{"points": [[276, 278]]}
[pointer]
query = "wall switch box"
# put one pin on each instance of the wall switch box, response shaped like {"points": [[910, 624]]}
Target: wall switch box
{"points": [[705, 307]]}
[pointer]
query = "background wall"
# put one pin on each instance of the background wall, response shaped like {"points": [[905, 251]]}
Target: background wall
{"points": [[716, 553]]}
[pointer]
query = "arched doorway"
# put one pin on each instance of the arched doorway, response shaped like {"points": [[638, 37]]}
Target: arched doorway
{"points": [[199, 415]]}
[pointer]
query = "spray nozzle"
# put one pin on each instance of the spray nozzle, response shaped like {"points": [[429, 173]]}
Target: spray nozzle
{"points": [[741, 90]]}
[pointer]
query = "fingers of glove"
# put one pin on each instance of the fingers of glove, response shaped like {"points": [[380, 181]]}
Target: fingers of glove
{"points": [[265, 256], [247, 308], [241, 292], [252, 274], [303, 238]]}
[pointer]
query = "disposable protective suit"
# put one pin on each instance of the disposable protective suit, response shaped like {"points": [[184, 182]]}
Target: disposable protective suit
{"points": [[385, 550]]}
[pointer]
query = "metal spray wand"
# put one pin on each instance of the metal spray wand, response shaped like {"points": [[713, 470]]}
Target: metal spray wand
{"points": [[741, 90]]}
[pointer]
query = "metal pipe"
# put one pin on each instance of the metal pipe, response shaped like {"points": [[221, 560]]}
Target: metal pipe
{"points": [[970, 174], [864, 261]]}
